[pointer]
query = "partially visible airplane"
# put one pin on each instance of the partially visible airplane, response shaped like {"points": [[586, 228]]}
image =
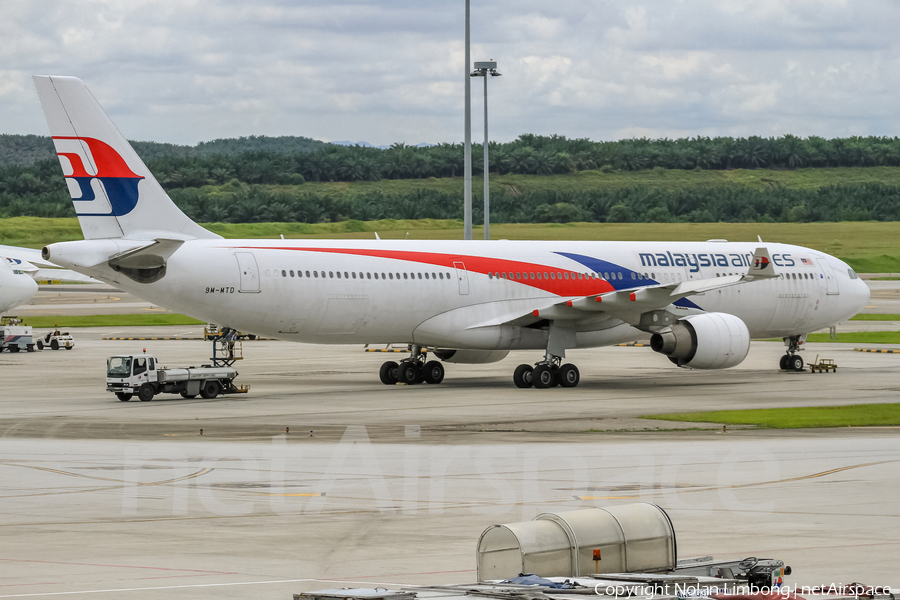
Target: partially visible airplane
{"points": [[462, 301], [29, 261], [16, 287]]}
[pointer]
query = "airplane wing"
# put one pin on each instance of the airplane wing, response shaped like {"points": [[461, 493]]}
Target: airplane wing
{"points": [[629, 304], [30, 261]]}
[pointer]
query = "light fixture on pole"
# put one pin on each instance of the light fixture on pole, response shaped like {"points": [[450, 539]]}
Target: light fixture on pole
{"points": [[486, 70]]}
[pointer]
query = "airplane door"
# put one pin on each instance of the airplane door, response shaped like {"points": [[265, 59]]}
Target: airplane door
{"points": [[249, 272], [830, 280], [463, 277]]}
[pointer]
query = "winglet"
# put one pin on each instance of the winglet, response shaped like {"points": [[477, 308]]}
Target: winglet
{"points": [[761, 266]]}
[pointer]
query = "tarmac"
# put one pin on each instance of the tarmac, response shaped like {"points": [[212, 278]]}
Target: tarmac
{"points": [[322, 477]]}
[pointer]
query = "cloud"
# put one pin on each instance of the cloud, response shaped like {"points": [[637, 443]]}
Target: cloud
{"points": [[392, 70]]}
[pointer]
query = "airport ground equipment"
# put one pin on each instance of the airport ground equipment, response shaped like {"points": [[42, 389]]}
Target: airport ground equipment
{"points": [[141, 374], [630, 543], [15, 336], [55, 340], [822, 366], [213, 331]]}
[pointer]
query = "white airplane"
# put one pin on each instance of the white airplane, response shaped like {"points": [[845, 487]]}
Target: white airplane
{"points": [[16, 287], [30, 262], [462, 301]]}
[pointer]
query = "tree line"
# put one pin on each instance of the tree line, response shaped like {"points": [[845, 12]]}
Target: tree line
{"points": [[227, 180], [248, 204]]}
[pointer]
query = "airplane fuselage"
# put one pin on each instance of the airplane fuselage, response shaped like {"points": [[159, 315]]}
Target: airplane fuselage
{"points": [[384, 291]]}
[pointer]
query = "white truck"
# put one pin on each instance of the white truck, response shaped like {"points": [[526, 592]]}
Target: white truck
{"points": [[15, 336], [141, 374]]}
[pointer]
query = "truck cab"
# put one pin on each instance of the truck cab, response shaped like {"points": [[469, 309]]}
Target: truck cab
{"points": [[126, 374]]}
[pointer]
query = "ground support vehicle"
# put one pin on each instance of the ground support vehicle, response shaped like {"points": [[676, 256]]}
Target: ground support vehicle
{"points": [[15, 336], [56, 340], [822, 366], [141, 375]]}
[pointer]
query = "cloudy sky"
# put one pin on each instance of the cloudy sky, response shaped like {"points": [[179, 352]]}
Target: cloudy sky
{"points": [[386, 71]]}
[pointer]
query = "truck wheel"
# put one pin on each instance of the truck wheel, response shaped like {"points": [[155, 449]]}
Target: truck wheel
{"points": [[123, 396], [14, 348], [54, 345], [188, 396], [146, 393], [210, 389]]}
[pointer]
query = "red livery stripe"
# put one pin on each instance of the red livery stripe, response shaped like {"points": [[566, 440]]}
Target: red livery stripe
{"points": [[559, 285]]}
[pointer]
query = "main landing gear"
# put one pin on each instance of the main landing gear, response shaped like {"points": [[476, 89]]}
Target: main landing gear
{"points": [[547, 374], [792, 361], [415, 369]]}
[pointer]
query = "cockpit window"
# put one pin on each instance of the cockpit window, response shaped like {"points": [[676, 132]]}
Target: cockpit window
{"points": [[852, 274]]}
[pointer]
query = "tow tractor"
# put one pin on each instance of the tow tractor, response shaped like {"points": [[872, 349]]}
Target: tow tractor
{"points": [[55, 340], [15, 335], [141, 374]]}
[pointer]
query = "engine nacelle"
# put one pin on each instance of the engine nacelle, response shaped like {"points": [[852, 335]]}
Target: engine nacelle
{"points": [[471, 357], [707, 341]]}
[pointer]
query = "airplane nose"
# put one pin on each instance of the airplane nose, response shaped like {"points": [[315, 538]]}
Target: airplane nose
{"points": [[865, 294], [17, 290]]}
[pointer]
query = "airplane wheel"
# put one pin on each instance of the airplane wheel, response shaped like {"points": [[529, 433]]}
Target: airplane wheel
{"points": [[796, 362], [145, 393], [433, 372], [544, 377], [569, 376], [408, 373], [783, 363], [123, 396], [388, 373], [523, 376]]}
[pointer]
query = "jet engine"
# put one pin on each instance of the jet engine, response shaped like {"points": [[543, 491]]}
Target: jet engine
{"points": [[471, 357], [707, 341]]}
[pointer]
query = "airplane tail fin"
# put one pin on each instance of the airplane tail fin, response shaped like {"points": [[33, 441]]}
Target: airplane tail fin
{"points": [[114, 194]]}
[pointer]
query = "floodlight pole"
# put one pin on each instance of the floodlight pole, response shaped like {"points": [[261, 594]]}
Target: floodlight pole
{"points": [[467, 151], [486, 70]]}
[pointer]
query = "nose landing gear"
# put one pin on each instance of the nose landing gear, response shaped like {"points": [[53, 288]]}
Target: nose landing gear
{"points": [[792, 361], [547, 374], [412, 370]]}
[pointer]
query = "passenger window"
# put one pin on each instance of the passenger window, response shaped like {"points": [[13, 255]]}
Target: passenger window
{"points": [[545, 273], [420, 275], [283, 273], [433, 274], [307, 273], [391, 275], [316, 274], [339, 274], [369, 275]]}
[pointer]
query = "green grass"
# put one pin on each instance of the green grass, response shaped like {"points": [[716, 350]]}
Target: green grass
{"points": [[886, 279], [138, 320], [875, 317], [808, 179], [869, 247], [857, 415], [858, 337]]}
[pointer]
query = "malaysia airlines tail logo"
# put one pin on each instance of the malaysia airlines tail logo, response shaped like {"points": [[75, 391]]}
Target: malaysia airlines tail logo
{"points": [[762, 263], [99, 179]]}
